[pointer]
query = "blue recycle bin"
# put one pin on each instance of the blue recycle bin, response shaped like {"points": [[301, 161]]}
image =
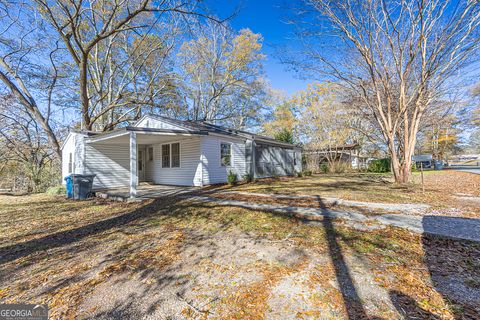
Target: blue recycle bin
{"points": [[69, 188], [79, 186]]}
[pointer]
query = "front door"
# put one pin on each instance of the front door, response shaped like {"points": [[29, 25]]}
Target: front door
{"points": [[141, 164]]}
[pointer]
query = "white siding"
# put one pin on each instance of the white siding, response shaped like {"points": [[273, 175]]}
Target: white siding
{"points": [[189, 173], [298, 155], [73, 145], [213, 172], [149, 122], [110, 164]]}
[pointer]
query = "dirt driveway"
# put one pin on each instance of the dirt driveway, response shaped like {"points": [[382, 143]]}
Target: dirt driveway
{"points": [[178, 259]]}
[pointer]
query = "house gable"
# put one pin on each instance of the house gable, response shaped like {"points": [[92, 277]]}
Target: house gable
{"points": [[149, 121]]}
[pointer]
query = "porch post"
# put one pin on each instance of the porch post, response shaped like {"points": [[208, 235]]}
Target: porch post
{"points": [[254, 159], [133, 165]]}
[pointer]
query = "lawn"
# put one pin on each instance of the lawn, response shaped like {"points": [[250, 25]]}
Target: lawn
{"points": [[448, 192], [173, 258]]}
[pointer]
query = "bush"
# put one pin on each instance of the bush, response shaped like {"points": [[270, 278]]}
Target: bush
{"points": [[323, 168], [56, 190], [307, 173], [299, 174], [414, 167], [232, 177], [248, 177], [340, 167], [380, 165]]}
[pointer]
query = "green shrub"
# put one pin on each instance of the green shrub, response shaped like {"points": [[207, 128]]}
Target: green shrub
{"points": [[414, 167], [232, 177], [56, 190], [307, 173], [380, 165], [248, 177], [323, 168], [299, 174]]}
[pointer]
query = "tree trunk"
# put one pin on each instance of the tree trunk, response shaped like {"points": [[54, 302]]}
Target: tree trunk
{"points": [[87, 125], [402, 168], [31, 106], [49, 131]]}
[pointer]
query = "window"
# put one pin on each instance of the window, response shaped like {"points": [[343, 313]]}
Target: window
{"points": [[171, 155], [70, 162], [165, 156], [175, 155], [150, 154], [225, 154], [294, 158]]}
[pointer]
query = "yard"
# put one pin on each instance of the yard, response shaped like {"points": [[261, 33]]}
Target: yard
{"points": [[448, 192], [179, 258]]}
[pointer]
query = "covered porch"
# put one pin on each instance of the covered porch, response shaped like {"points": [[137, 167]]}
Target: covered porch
{"points": [[130, 161]]}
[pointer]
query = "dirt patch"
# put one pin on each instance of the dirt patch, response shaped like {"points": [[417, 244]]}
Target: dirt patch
{"points": [[217, 275]]}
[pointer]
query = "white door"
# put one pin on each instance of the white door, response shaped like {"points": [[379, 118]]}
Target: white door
{"points": [[141, 164]]}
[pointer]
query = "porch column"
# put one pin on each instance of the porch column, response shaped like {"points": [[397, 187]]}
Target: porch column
{"points": [[254, 159], [133, 165]]}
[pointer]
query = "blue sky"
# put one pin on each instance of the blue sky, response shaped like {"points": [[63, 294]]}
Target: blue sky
{"points": [[268, 18]]}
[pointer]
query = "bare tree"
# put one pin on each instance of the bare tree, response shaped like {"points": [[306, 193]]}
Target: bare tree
{"points": [[221, 74], [130, 72], [24, 148], [33, 82], [84, 27], [396, 56], [327, 125]]}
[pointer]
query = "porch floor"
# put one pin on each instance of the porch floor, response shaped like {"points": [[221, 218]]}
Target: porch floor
{"points": [[144, 191]]}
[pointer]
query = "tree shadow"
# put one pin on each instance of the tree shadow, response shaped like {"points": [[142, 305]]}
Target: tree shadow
{"points": [[353, 303], [62, 238], [409, 308], [454, 264]]}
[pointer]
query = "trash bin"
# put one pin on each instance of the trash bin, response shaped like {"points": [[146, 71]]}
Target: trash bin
{"points": [[438, 165], [68, 180], [82, 185]]}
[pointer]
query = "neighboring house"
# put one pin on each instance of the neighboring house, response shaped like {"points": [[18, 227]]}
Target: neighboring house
{"points": [[423, 160], [348, 154], [161, 150]]}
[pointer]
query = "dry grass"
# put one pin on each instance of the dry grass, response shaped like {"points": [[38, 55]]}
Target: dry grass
{"points": [[441, 189], [59, 252]]}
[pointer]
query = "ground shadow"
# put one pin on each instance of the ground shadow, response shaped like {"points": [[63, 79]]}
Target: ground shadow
{"points": [[62, 238], [353, 303], [454, 264], [409, 308]]}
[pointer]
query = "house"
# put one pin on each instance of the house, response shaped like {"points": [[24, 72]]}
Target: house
{"points": [[423, 160], [168, 151], [348, 154]]}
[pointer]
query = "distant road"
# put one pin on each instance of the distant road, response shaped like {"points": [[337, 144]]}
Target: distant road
{"points": [[471, 169]]}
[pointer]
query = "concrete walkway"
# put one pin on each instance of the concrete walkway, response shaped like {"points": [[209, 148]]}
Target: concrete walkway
{"points": [[459, 228], [407, 208], [471, 169]]}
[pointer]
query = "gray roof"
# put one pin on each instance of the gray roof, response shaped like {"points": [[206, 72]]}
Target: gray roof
{"points": [[213, 128]]}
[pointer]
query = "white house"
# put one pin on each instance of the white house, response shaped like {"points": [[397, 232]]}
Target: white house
{"points": [[167, 151]]}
